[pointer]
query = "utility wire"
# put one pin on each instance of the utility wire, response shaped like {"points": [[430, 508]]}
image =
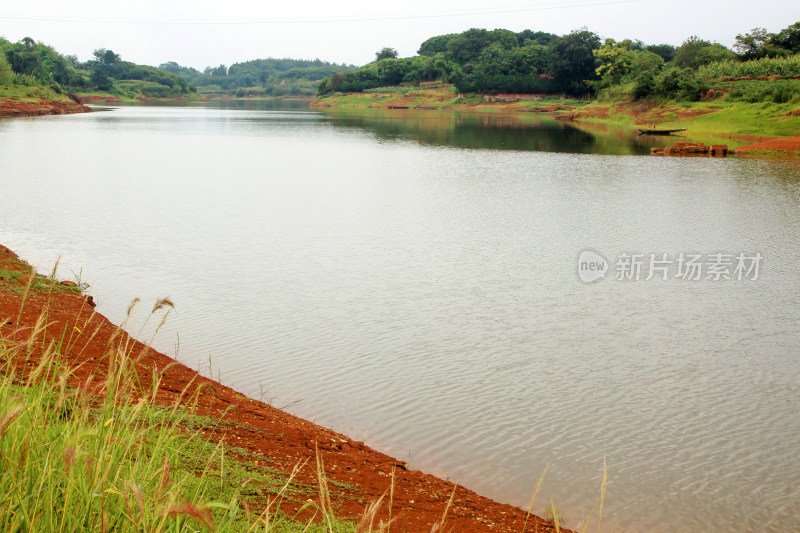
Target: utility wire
{"points": [[319, 20]]}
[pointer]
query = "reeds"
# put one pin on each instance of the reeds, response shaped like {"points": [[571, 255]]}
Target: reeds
{"points": [[99, 454]]}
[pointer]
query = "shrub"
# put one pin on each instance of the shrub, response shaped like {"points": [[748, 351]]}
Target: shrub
{"points": [[782, 94], [785, 67]]}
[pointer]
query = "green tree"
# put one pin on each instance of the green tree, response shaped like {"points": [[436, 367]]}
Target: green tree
{"points": [[626, 61], [615, 60], [101, 79], [788, 38], [105, 57], [715, 52], [526, 37], [467, 46], [435, 45], [6, 74], [573, 61], [751, 45], [677, 82], [385, 53], [220, 71], [687, 53], [666, 51]]}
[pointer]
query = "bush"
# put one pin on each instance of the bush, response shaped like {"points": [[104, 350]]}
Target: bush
{"points": [[782, 94], [25, 80], [779, 91], [678, 83]]}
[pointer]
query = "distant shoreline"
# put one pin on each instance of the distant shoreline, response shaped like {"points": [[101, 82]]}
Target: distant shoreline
{"points": [[774, 134], [619, 113]]}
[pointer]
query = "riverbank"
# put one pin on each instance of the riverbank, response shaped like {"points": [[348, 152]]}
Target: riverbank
{"points": [[777, 125], [10, 107], [258, 433], [106, 98]]}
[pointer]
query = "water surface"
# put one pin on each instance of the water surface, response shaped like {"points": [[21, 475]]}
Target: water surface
{"points": [[410, 279]]}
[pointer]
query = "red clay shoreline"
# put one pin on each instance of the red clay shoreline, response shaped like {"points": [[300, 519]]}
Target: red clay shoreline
{"points": [[17, 108], [777, 146], [360, 474]]}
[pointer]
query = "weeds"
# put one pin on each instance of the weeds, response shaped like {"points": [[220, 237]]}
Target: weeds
{"points": [[103, 456]]}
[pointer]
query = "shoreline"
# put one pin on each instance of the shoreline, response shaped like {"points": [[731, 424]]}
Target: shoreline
{"points": [[358, 473], [11, 107], [620, 115], [776, 136]]}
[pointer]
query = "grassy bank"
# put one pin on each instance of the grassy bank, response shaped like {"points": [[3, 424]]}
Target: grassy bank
{"points": [[728, 115], [721, 118], [98, 432], [31, 94], [435, 95], [101, 454], [21, 101]]}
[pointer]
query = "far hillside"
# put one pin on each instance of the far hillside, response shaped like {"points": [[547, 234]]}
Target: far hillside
{"points": [[580, 64], [33, 70], [259, 77]]}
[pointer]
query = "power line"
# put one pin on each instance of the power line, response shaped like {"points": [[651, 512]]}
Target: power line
{"points": [[318, 20]]}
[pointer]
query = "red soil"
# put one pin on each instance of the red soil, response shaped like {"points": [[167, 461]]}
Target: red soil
{"points": [[98, 99], [108, 99], [419, 499], [788, 145], [15, 108]]}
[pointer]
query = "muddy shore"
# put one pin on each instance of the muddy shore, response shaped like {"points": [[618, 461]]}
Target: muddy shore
{"points": [[359, 473], [17, 108]]}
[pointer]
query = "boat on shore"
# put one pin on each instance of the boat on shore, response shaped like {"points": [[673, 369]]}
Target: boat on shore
{"points": [[659, 132]]}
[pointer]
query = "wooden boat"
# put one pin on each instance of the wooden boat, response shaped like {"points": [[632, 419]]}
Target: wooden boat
{"points": [[659, 132]]}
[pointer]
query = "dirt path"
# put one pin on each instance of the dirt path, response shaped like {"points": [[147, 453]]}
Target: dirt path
{"points": [[361, 473]]}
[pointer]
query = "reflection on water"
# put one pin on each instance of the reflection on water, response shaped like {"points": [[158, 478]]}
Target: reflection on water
{"points": [[411, 278], [503, 131]]}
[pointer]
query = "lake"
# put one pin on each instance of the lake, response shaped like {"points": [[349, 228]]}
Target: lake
{"points": [[412, 279]]}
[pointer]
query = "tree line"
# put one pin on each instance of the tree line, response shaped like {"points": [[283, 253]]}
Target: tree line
{"points": [[30, 63], [260, 77], [577, 64]]}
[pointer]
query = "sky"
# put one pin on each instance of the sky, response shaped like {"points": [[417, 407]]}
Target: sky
{"points": [[199, 33]]}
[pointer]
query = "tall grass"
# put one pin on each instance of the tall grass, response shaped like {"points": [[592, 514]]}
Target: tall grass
{"points": [[103, 456], [785, 67], [100, 454]]}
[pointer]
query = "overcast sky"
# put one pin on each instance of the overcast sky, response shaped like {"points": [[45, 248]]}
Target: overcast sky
{"points": [[199, 33]]}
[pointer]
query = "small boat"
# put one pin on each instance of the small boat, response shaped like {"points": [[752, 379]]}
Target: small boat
{"points": [[659, 132]]}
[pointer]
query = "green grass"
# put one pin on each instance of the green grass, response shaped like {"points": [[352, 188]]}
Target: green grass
{"points": [[435, 96], [17, 278], [766, 119], [73, 460], [10, 280], [102, 455], [725, 117], [106, 457], [30, 94]]}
